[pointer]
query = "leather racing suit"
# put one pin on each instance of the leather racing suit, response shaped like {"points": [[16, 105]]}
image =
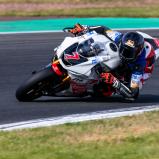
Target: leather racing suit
{"points": [[128, 78]]}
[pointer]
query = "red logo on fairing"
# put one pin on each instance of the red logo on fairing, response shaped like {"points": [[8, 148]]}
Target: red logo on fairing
{"points": [[74, 56]]}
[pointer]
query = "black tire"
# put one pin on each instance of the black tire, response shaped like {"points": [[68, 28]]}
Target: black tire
{"points": [[33, 88]]}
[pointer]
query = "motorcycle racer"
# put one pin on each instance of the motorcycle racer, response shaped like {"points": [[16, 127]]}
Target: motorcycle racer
{"points": [[137, 61]]}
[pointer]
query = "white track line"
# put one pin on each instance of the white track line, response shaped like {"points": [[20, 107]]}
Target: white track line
{"points": [[57, 31], [78, 118], [31, 32]]}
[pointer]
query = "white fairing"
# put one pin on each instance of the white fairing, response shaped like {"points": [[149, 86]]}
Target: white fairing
{"points": [[107, 56], [150, 37], [145, 35]]}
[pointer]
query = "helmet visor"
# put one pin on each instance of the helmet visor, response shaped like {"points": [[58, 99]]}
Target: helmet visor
{"points": [[129, 53]]}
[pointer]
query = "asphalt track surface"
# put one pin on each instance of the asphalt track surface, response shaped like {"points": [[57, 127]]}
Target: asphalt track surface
{"points": [[20, 54]]}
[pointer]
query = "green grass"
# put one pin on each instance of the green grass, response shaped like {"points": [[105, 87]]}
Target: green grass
{"points": [[60, 1], [142, 9], [121, 138], [87, 12]]}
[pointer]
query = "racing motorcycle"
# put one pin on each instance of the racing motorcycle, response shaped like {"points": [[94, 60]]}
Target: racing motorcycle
{"points": [[75, 68]]}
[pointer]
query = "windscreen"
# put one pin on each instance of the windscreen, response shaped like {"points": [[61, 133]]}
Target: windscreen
{"points": [[90, 48]]}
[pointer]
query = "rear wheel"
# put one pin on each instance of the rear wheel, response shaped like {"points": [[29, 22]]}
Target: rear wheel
{"points": [[37, 85]]}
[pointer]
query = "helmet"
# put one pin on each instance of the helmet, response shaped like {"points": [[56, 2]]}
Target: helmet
{"points": [[131, 46]]}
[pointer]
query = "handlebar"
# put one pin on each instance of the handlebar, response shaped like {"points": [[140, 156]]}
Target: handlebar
{"points": [[66, 29]]}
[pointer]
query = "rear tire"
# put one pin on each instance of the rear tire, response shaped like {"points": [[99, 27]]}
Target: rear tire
{"points": [[35, 86]]}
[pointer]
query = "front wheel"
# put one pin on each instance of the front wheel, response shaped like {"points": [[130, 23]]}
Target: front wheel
{"points": [[37, 85]]}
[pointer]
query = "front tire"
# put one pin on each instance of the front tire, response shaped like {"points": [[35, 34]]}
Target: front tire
{"points": [[37, 84]]}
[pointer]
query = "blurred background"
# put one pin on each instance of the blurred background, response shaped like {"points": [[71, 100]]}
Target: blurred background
{"points": [[78, 8]]}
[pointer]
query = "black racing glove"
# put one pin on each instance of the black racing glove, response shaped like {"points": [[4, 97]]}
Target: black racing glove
{"points": [[129, 94]]}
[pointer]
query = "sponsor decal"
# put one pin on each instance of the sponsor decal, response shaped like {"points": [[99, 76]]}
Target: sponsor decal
{"points": [[109, 31], [74, 56], [113, 34], [94, 61], [136, 78], [97, 59], [117, 34], [78, 88], [90, 33], [130, 43], [77, 80]]}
